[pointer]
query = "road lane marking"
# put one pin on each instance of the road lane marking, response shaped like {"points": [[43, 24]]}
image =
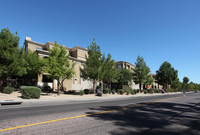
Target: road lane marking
{"points": [[80, 116]]}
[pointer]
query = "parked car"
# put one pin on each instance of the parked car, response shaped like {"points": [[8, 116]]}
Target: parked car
{"points": [[162, 90], [196, 91]]}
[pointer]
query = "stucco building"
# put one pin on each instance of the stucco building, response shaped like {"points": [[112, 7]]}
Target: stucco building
{"points": [[127, 65], [76, 54]]}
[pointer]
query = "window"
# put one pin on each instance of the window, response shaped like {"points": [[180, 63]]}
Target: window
{"points": [[37, 48], [120, 66], [75, 80], [82, 66]]}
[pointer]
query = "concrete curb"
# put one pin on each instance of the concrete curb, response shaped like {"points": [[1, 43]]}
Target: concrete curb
{"points": [[25, 102]]}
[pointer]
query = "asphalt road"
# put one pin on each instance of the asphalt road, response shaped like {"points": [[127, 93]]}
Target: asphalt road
{"points": [[176, 114]]}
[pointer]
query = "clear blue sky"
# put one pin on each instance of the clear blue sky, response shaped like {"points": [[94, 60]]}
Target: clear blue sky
{"points": [[158, 30]]}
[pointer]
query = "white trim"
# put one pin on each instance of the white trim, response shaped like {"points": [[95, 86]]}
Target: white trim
{"points": [[35, 44], [82, 50], [43, 54]]}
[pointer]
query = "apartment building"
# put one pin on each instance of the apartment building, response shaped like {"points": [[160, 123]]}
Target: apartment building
{"points": [[127, 65], [76, 55]]}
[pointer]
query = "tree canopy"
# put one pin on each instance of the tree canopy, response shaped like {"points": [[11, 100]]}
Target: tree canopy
{"points": [[94, 64], [186, 80], [109, 70], [185, 83], [57, 65], [166, 74], [9, 44], [141, 73], [176, 84], [125, 75]]}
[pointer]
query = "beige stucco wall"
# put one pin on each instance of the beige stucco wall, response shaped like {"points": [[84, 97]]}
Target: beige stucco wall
{"points": [[67, 84], [81, 54], [32, 47], [133, 85], [77, 72], [77, 83]]}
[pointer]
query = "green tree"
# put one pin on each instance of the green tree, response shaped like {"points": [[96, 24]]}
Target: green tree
{"points": [[141, 73], [149, 79], [166, 74], [57, 65], [9, 44], [109, 70], [185, 82], [93, 66], [125, 75], [34, 64], [191, 86], [176, 84], [25, 67], [18, 67]]}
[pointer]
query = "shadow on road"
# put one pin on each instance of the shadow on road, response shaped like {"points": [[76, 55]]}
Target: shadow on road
{"points": [[161, 118]]}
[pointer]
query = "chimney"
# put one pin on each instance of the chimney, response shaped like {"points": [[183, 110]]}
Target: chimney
{"points": [[28, 38]]}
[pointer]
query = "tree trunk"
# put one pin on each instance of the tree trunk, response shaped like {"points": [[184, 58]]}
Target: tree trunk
{"points": [[109, 85], [58, 86], [1, 83], [94, 82], [62, 88], [140, 86], [102, 85], [6, 81]]}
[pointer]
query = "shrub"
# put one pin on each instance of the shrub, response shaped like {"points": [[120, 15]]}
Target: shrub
{"points": [[155, 90], [8, 90], [145, 91], [82, 93], [106, 91], [30, 92], [127, 90], [121, 92], [133, 92], [170, 90], [137, 91], [116, 90], [150, 91], [86, 91]]}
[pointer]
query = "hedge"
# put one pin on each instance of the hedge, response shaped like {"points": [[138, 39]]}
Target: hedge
{"points": [[8, 90], [30, 92]]}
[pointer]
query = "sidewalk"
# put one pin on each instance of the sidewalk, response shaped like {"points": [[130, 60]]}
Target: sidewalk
{"points": [[70, 98]]}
